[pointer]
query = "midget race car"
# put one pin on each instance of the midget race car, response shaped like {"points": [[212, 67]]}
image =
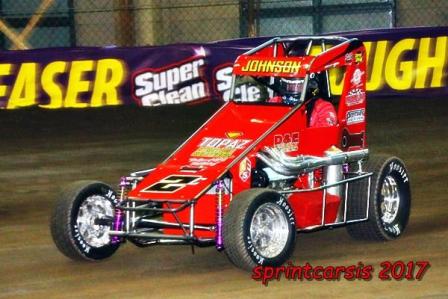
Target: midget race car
{"points": [[255, 174]]}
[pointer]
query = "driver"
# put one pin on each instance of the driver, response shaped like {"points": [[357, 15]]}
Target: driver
{"points": [[290, 91], [321, 113]]}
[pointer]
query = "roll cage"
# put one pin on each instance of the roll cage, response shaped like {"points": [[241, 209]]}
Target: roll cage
{"points": [[288, 47]]}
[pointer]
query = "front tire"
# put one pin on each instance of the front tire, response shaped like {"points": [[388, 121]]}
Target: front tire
{"points": [[74, 227], [390, 201], [259, 229]]}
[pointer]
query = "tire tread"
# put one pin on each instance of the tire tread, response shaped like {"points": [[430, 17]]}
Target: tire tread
{"points": [[60, 221]]}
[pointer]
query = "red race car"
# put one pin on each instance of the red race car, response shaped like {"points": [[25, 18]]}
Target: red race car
{"points": [[284, 156]]}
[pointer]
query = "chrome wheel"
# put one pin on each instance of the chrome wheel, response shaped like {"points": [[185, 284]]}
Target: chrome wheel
{"points": [[390, 202], [269, 230], [94, 207]]}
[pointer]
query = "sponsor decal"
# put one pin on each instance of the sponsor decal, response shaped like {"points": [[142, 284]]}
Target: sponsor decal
{"points": [[244, 92], [213, 147], [173, 85], [358, 57], [190, 168], [173, 183], [233, 135], [271, 66], [224, 142], [357, 77], [355, 116], [348, 58], [355, 96], [288, 142], [245, 169], [213, 152], [204, 162], [335, 64]]}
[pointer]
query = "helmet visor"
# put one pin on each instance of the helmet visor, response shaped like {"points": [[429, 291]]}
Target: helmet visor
{"points": [[291, 86]]}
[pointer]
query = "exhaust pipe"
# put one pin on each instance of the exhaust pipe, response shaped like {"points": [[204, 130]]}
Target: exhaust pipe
{"points": [[287, 165]]}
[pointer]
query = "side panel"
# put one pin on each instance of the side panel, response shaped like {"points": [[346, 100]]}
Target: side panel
{"points": [[352, 112]]}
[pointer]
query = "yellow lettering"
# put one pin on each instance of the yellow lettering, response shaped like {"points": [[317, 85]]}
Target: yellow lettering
{"points": [[5, 70], [24, 90], [109, 76], [50, 85], [278, 66], [253, 66], [262, 66], [246, 67], [270, 66], [77, 84], [287, 67], [426, 62], [295, 67], [394, 62], [375, 81]]}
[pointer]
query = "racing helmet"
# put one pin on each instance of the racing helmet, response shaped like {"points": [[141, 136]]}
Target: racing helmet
{"points": [[291, 86], [291, 90]]}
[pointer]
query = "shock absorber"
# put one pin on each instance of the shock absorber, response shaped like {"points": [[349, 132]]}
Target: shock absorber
{"points": [[118, 219], [219, 215]]}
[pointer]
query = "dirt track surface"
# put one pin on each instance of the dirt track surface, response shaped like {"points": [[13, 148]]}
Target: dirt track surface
{"points": [[41, 151]]}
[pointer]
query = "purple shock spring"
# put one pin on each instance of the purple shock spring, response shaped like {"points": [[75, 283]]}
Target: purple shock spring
{"points": [[345, 168], [219, 213], [118, 224], [118, 219]]}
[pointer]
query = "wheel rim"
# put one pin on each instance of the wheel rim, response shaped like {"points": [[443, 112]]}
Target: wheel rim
{"points": [[94, 207], [390, 201], [269, 230]]}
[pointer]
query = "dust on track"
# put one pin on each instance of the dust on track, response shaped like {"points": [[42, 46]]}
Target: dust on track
{"points": [[43, 150]]}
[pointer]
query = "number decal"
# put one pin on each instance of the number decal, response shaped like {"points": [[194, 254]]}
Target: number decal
{"points": [[173, 183]]}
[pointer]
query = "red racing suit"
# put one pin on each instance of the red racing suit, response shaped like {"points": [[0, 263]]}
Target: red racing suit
{"points": [[323, 114]]}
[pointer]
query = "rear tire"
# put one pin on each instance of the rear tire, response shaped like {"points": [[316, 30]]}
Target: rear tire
{"points": [[72, 223], [259, 229], [390, 201]]}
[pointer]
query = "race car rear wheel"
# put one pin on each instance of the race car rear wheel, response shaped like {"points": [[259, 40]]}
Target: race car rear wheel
{"points": [[390, 200], [259, 229], [81, 220]]}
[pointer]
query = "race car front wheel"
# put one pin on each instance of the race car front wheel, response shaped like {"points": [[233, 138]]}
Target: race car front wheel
{"points": [[259, 229], [81, 221], [390, 200]]}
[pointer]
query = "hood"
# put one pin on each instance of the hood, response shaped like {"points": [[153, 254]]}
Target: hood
{"points": [[210, 152]]}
